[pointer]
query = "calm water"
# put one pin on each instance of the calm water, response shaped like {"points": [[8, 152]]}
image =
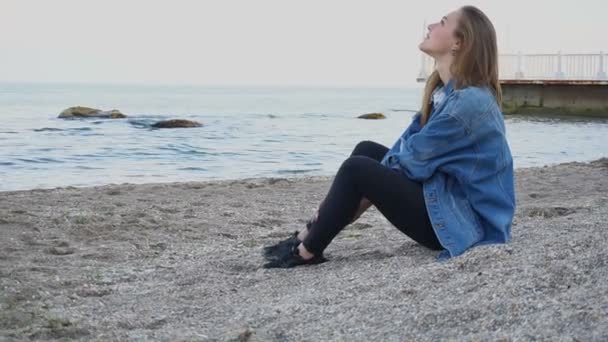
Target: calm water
{"points": [[248, 132]]}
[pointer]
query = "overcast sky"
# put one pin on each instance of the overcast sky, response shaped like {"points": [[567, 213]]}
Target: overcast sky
{"points": [[310, 42]]}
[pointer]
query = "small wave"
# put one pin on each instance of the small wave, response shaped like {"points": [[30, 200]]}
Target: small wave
{"points": [[404, 110], [192, 169], [53, 129], [318, 115], [141, 123], [40, 160], [48, 129], [266, 115], [182, 149], [87, 155], [217, 137], [144, 154], [6, 163], [230, 154], [83, 167], [50, 160], [296, 171]]}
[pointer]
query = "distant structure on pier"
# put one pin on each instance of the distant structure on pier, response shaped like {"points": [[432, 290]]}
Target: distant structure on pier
{"points": [[545, 67], [561, 83]]}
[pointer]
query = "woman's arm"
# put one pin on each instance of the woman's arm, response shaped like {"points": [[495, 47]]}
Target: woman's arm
{"points": [[435, 145], [414, 127]]}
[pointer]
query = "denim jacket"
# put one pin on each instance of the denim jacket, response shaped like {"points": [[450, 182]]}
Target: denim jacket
{"points": [[462, 158]]}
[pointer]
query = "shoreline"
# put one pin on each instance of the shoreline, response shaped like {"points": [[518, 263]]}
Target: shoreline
{"points": [[225, 182], [246, 179], [181, 261]]}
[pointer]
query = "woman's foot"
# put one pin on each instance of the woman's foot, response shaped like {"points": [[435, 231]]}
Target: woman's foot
{"points": [[296, 256], [283, 246], [271, 252]]}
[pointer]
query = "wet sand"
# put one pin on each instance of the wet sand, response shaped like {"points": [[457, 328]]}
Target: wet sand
{"points": [[182, 261]]}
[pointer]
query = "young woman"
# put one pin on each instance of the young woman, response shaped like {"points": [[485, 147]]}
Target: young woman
{"points": [[447, 182]]}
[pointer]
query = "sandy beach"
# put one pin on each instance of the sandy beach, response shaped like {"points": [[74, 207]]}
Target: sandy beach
{"points": [[182, 261]]}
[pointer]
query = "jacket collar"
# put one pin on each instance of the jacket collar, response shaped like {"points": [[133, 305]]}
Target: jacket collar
{"points": [[446, 90], [449, 88]]}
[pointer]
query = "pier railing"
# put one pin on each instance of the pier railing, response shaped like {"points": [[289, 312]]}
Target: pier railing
{"points": [[542, 67]]}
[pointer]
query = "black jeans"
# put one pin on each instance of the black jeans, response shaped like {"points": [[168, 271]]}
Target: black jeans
{"points": [[398, 198]]}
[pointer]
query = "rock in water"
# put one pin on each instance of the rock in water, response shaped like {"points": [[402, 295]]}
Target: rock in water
{"points": [[86, 112], [176, 123], [372, 116]]}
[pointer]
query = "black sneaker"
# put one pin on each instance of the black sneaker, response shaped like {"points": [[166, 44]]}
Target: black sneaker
{"points": [[272, 252], [291, 258]]}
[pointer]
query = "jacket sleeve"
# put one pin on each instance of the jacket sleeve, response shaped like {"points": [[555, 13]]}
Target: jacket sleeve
{"points": [[411, 129], [435, 145]]}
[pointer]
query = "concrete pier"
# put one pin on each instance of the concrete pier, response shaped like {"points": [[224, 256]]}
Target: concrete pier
{"points": [[556, 83], [570, 97]]}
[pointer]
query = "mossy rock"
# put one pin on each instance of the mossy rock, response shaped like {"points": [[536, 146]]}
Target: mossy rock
{"points": [[176, 123], [372, 116], [87, 112]]}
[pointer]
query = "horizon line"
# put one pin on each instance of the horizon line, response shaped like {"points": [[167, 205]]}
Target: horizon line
{"points": [[412, 84]]}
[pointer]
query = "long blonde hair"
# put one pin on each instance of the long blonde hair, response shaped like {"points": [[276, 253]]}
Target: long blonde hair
{"points": [[475, 64]]}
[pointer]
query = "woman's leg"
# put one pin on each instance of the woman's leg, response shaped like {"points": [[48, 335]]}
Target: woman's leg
{"points": [[398, 198], [370, 149], [364, 148]]}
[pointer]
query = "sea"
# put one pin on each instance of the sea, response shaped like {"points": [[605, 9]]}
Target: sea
{"points": [[248, 132]]}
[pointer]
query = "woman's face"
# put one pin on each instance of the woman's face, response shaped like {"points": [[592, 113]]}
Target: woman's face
{"points": [[440, 40]]}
